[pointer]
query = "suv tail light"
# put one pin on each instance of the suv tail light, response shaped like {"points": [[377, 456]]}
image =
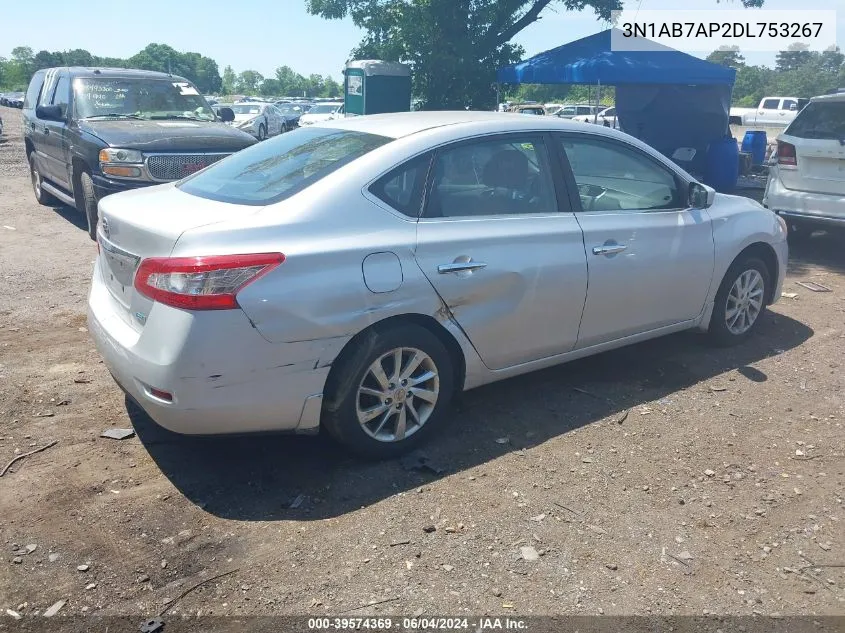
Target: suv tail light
{"points": [[202, 283], [786, 154]]}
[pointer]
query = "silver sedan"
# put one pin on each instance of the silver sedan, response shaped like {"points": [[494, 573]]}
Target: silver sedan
{"points": [[354, 275]]}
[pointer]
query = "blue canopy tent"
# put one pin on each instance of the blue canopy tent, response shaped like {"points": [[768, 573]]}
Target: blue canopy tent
{"points": [[664, 97]]}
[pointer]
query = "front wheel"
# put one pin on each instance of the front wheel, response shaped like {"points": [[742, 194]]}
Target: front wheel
{"points": [[284, 128], [87, 201], [262, 132], [390, 392], [739, 302]]}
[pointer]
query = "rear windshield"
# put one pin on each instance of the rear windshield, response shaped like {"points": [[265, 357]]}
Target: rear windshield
{"points": [[820, 120], [277, 169]]}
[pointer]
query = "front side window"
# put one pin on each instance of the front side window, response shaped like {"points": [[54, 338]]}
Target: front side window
{"points": [[820, 120], [62, 93], [277, 169], [613, 177], [497, 177], [121, 97], [790, 104]]}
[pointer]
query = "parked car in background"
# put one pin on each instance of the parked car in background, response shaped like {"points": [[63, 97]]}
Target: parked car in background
{"points": [[806, 184], [13, 99], [552, 108], [771, 112], [329, 278], [1, 126], [525, 108], [291, 112], [261, 120], [322, 111], [90, 132], [606, 117], [572, 110]]}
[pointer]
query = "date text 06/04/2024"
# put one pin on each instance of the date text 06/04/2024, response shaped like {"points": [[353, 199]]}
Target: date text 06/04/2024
{"points": [[417, 624]]}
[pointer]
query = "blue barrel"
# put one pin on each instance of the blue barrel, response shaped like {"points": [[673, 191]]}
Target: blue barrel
{"points": [[721, 170], [755, 142]]}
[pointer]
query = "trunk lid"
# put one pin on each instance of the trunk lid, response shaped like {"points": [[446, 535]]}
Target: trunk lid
{"points": [[818, 134], [145, 223]]}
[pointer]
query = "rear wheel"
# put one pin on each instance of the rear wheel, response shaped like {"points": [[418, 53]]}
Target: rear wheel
{"points": [[740, 301], [87, 202], [390, 392], [35, 176]]}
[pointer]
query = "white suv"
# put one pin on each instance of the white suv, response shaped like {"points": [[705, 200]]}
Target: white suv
{"points": [[807, 176]]}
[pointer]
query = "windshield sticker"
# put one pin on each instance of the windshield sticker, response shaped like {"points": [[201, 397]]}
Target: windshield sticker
{"points": [[186, 88]]}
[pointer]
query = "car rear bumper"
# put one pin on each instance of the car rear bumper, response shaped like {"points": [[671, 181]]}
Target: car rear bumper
{"points": [[223, 376], [803, 206]]}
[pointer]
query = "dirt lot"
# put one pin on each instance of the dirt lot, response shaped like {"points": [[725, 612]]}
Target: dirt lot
{"points": [[666, 478]]}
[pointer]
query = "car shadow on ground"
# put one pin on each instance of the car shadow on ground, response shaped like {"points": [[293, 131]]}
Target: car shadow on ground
{"points": [[259, 478], [823, 249], [72, 216]]}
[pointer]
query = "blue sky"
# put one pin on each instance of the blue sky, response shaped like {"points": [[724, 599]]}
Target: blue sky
{"points": [[263, 34]]}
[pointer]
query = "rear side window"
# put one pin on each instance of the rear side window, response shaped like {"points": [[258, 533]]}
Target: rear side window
{"points": [[277, 169], [402, 188], [34, 91], [771, 104], [820, 120]]}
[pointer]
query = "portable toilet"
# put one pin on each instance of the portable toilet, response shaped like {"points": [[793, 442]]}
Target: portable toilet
{"points": [[373, 86]]}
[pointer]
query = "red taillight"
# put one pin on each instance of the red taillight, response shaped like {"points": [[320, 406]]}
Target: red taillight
{"points": [[786, 154], [161, 395], [202, 283]]}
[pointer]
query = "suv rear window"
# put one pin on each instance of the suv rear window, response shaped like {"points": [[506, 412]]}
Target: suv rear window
{"points": [[277, 169], [820, 120]]}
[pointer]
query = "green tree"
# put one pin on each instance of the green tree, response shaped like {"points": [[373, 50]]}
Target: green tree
{"points": [[46, 59], [230, 80], [727, 56], [752, 84], [291, 83], [249, 81], [270, 88], [453, 46], [832, 60], [794, 57], [78, 57], [331, 88], [21, 66]]}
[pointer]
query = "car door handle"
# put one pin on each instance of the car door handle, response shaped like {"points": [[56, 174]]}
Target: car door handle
{"points": [[609, 249], [459, 267]]}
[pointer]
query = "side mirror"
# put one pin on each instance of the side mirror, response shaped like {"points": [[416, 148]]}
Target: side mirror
{"points": [[49, 113], [227, 115], [793, 107], [701, 196]]}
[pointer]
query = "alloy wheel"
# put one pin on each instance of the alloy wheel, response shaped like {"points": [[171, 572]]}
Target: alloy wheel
{"points": [[398, 394], [744, 302]]}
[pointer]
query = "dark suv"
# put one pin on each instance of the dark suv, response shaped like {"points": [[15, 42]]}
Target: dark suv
{"points": [[90, 132]]}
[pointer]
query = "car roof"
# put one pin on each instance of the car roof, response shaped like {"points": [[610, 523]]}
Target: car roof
{"points": [[836, 96], [122, 73], [400, 124]]}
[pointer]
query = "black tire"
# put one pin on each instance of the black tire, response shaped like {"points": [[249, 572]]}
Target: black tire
{"points": [[284, 128], [719, 332], [340, 405], [262, 132], [41, 196], [87, 203]]}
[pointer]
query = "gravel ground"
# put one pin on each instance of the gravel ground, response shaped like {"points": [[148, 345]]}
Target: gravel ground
{"points": [[665, 478]]}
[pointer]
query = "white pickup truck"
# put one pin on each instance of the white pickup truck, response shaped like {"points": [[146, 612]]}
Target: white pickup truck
{"points": [[772, 112]]}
